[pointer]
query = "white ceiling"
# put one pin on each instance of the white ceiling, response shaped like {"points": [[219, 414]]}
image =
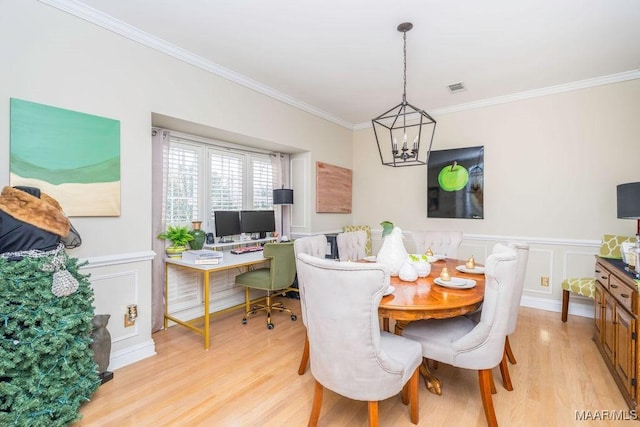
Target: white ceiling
{"points": [[342, 59]]}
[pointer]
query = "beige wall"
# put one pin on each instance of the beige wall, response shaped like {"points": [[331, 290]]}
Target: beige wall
{"points": [[552, 164]]}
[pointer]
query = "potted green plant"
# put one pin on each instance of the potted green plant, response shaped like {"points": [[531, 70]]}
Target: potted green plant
{"points": [[179, 237]]}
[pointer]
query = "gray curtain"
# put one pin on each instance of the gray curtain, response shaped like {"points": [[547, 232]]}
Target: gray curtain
{"points": [[160, 146], [280, 164]]}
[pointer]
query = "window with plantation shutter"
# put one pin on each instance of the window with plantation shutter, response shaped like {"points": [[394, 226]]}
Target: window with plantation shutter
{"points": [[262, 178], [202, 178], [227, 181], [182, 185]]}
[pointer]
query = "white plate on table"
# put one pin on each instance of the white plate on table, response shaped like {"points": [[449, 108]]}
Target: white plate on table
{"points": [[389, 290], [476, 270], [371, 258], [455, 283]]}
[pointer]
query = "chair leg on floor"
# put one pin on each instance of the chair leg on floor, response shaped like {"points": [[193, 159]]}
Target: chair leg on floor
{"points": [[565, 304], [484, 377], [305, 357], [412, 389], [509, 352], [373, 414], [504, 370], [317, 404]]}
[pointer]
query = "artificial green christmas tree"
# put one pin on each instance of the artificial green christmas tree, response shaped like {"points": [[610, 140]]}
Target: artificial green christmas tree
{"points": [[47, 369]]}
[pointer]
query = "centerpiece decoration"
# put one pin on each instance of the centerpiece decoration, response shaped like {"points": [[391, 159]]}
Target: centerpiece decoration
{"points": [[392, 253], [421, 264]]}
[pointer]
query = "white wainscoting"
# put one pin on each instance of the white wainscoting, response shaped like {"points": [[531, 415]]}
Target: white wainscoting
{"points": [[118, 281]]}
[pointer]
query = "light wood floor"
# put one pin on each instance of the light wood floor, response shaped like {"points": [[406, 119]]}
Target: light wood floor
{"points": [[249, 378]]}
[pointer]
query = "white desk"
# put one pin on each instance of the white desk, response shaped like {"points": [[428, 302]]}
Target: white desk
{"points": [[229, 261]]}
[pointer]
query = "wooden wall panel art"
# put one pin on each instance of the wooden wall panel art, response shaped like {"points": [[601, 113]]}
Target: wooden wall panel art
{"points": [[333, 188]]}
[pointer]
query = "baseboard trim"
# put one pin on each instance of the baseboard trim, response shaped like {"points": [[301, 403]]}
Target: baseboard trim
{"points": [[546, 304], [132, 354]]}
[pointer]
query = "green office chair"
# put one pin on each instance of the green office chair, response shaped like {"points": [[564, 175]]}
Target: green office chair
{"points": [[275, 279]]}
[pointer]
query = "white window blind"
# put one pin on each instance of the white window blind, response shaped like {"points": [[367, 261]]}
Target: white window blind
{"points": [[227, 181], [262, 177], [182, 185]]}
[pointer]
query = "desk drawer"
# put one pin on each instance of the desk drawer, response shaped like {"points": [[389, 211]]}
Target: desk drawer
{"points": [[623, 293], [602, 275]]}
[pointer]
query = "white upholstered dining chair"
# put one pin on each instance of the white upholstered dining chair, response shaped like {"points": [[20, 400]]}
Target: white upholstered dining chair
{"points": [[463, 343], [315, 246], [440, 242], [352, 245], [349, 353], [522, 254]]}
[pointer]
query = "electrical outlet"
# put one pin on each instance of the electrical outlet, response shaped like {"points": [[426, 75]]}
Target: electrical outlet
{"points": [[128, 322], [544, 282]]}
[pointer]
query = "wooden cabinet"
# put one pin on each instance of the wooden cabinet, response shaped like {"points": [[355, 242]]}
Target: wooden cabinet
{"points": [[616, 318]]}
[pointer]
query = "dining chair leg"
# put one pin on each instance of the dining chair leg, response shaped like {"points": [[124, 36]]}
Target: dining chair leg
{"points": [[504, 370], [305, 356], [385, 324], [373, 413], [413, 396], [317, 404], [493, 385], [484, 377], [565, 304], [507, 349]]}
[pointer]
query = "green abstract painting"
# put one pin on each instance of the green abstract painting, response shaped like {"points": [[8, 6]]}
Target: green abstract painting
{"points": [[73, 157]]}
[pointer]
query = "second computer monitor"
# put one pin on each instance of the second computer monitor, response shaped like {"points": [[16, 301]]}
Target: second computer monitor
{"points": [[261, 222]]}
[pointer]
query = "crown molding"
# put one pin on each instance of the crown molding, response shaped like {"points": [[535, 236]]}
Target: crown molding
{"points": [[581, 84], [108, 22]]}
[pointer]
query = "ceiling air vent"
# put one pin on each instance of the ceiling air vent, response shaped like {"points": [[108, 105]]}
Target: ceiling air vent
{"points": [[456, 87]]}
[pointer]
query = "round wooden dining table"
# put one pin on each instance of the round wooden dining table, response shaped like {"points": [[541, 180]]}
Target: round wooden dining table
{"points": [[424, 299]]}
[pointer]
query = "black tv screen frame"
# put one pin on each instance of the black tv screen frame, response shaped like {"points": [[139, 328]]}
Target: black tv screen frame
{"points": [[227, 225], [258, 221]]}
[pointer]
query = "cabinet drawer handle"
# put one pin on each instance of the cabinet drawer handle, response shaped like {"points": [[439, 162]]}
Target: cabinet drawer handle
{"points": [[624, 295], [613, 286]]}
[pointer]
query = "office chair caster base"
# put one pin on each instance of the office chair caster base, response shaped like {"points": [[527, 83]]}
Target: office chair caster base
{"points": [[244, 321], [270, 326], [294, 317]]}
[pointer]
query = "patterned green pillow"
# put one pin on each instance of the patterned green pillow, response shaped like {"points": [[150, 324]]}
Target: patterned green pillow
{"points": [[367, 247], [610, 247]]}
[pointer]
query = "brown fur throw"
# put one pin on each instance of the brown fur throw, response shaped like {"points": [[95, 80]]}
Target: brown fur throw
{"points": [[44, 213]]}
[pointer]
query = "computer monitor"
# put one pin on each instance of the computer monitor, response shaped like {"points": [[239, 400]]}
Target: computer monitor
{"points": [[257, 222], [227, 225]]}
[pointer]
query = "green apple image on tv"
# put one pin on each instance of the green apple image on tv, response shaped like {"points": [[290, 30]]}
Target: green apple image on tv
{"points": [[453, 177]]}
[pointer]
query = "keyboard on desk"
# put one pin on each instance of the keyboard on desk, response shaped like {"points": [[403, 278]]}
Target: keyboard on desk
{"points": [[246, 249]]}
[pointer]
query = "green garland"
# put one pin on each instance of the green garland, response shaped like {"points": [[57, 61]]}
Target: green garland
{"points": [[47, 369]]}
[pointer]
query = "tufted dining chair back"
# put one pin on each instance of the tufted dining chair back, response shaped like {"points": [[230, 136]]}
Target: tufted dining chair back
{"points": [[349, 353], [352, 245], [315, 246], [440, 242]]}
